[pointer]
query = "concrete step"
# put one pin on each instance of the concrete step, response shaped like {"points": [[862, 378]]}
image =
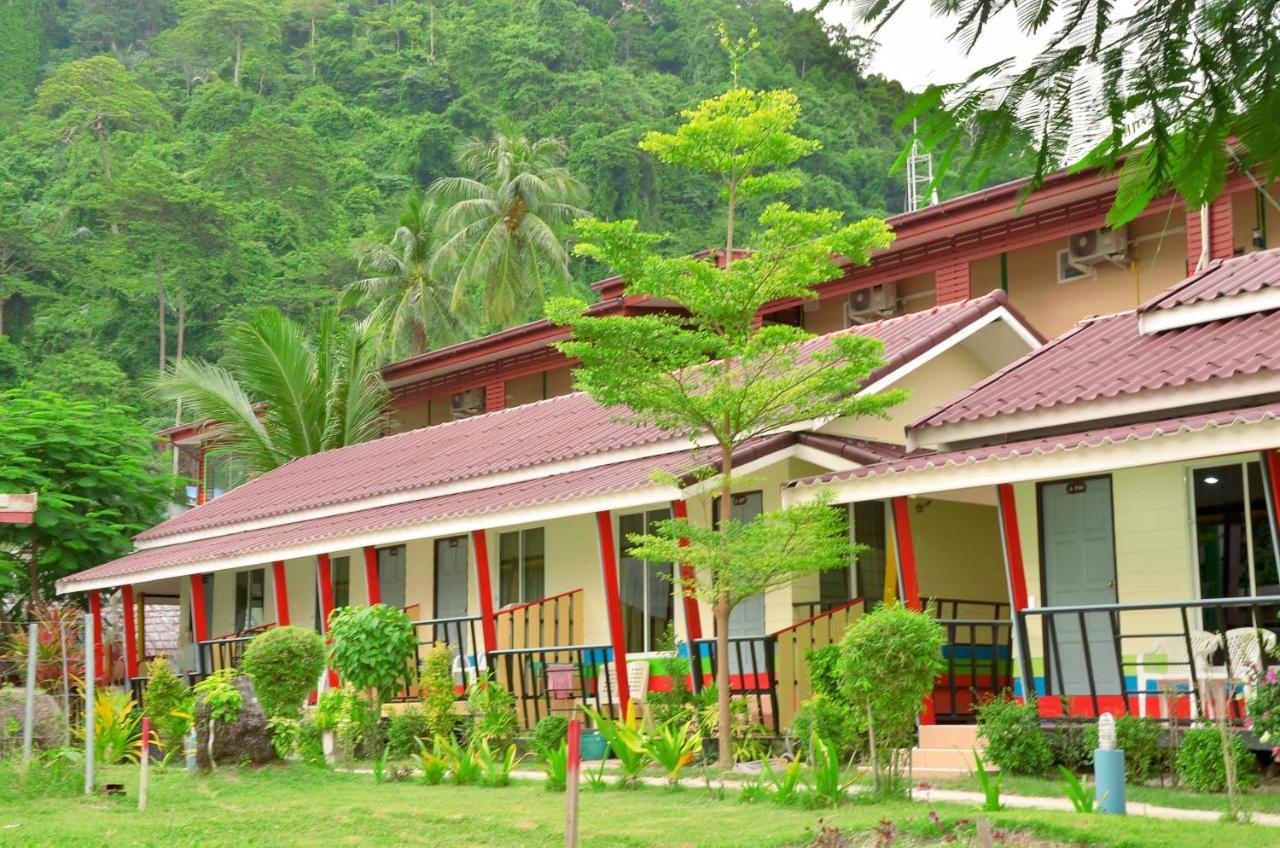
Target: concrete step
{"points": [[962, 736]]}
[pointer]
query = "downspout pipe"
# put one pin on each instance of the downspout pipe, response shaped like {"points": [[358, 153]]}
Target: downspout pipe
{"points": [[1204, 238]]}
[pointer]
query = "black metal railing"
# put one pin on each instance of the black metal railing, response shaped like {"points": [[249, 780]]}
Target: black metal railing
{"points": [[752, 666], [463, 637], [558, 679], [215, 654], [979, 661], [1086, 652], [955, 608]]}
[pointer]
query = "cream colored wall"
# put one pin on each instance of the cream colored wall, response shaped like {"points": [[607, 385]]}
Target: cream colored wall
{"points": [[930, 385], [958, 550], [915, 294], [524, 390], [559, 382], [1053, 307], [1154, 558], [411, 416]]}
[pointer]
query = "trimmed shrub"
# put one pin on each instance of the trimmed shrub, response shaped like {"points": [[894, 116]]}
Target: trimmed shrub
{"points": [[373, 648], [889, 659], [1014, 739], [164, 696], [824, 670], [831, 720], [1144, 758], [284, 664], [49, 730], [1199, 761], [549, 733], [405, 729], [437, 692]]}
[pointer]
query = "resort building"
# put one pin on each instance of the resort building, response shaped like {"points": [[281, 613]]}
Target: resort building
{"points": [[1071, 510]]}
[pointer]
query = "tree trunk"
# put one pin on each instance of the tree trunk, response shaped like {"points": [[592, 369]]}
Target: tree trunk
{"points": [[723, 610], [104, 151], [3, 302], [418, 340], [164, 345], [313, 45], [236, 72], [33, 575], [177, 360], [431, 33]]}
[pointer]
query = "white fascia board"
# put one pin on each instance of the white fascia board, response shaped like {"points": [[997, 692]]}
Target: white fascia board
{"points": [[1206, 311], [1068, 462], [470, 484], [1172, 400], [541, 513], [1000, 313]]}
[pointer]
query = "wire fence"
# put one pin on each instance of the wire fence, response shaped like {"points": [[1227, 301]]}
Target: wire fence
{"points": [[57, 709]]}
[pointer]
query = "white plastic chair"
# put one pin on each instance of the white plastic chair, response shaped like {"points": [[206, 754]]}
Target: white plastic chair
{"points": [[1177, 665], [637, 681], [1245, 646]]}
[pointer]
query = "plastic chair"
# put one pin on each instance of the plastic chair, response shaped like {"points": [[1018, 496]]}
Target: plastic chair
{"points": [[1177, 665]]}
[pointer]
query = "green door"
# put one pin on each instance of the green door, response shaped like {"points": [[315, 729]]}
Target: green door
{"points": [[1079, 570]]}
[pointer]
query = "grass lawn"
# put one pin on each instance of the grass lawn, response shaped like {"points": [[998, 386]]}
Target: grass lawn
{"points": [[1263, 800], [299, 806]]}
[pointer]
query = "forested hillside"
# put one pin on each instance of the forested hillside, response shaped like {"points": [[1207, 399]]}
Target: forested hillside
{"points": [[166, 165]]}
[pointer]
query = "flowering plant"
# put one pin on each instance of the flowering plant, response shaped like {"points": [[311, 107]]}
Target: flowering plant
{"points": [[1264, 709]]}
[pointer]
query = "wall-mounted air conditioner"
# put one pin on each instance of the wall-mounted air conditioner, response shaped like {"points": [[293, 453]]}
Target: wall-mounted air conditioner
{"points": [[871, 304]]}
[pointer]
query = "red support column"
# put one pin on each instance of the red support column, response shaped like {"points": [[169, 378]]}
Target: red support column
{"points": [[910, 581], [130, 633], [324, 575], [371, 581], [199, 621], [200, 480], [906, 554], [95, 609], [613, 603], [280, 588], [692, 613], [488, 627], [1015, 573]]}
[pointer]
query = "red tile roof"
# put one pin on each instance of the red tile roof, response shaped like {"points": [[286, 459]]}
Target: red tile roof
{"points": [[561, 428], [1222, 278], [601, 480], [558, 429], [926, 460], [1108, 357]]}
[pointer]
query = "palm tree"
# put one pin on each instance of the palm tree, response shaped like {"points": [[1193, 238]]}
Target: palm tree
{"points": [[283, 393], [408, 299], [503, 225]]}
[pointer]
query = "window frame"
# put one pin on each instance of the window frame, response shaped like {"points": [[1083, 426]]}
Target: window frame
{"points": [[647, 518], [522, 595], [243, 606], [1193, 540]]}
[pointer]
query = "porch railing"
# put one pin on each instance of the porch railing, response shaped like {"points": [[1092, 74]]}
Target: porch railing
{"points": [[752, 664], [462, 635], [793, 644], [979, 666], [1141, 658], [556, 620], [216, 654], [557, 679]]}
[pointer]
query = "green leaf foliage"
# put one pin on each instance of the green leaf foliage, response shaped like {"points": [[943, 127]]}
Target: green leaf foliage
{"points": [[97, 476], [372, 648], [1013, 738], [284, 664], [1199, 761], [331, 120]]}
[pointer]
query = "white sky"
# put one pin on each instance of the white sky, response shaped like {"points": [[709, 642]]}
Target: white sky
{"points": [[915, 50]]}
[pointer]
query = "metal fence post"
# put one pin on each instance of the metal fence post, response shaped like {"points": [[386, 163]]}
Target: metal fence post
{"points": [[28, 729], [66, 680], [89, 747]]}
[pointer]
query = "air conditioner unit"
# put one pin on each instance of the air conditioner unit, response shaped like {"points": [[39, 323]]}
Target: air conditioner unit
{"points": [[1093, 247], [871, 303], [466, 404]]}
